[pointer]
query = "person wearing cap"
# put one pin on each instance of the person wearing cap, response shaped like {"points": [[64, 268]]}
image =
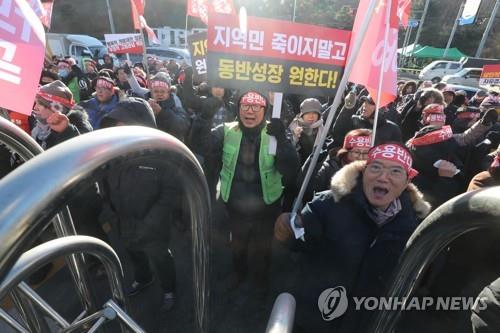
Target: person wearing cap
{"points": [[412, 112], [55, 122], [478, 98], [252, 179], [387, 131], [355, 233], [437, 153], [306, 128], [90, 69], [69, 77], [105, 100], [170, 118], [355, 148], [139, 197]]}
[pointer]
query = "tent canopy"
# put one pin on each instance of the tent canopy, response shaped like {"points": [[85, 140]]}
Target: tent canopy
{"points": [[437, 53], [406, 51]]}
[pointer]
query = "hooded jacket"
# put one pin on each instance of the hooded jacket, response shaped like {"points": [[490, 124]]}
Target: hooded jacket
{"points": [[345, 247], [139, 194]]}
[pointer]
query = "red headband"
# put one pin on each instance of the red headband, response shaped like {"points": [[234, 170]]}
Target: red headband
{"points": [[159, 84], [433, 108], [357, 141], [440, 135], [253, 98], [435, 117], [393, 153], [104, 84], [54, 98]]}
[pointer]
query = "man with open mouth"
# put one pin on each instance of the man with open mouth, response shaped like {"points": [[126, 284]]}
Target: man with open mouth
{"points": [[355, 232]]}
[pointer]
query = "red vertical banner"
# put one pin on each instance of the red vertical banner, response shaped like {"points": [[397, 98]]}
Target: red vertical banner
{"points": [[368, 64], [48, 6], [135, 15], [22, 51]]}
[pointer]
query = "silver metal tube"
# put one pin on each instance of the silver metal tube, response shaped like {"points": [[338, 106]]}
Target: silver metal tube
{"points": [[420, 26], [50, 178], [110, 16], [488, 29], [282, 315], [34, 321], [97, 325], [12, 322], [461, 215], [124, 317], [455, 25], [26, 147], [38, 256], [78, 324], [42, 305]]}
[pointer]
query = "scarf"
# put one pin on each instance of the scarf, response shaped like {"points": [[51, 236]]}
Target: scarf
{"points": [[41, 132], [309, 128], [440, 135], [382, 217]]}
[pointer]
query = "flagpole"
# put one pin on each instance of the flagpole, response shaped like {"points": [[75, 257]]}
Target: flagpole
{"points": [[382, 70], [144, 55], [186, 32], [356, 47]]}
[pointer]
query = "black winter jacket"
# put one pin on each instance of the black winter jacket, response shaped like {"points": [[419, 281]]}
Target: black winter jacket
{"points": [[344, 247]]}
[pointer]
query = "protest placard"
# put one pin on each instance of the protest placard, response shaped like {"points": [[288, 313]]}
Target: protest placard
{"points": [[198, 49], [124, 43]]}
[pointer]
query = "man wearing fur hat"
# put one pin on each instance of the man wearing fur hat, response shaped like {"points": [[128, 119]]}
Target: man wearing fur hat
{"points": [[105, 100], [54, 120], [251, 179], [355, 232]]}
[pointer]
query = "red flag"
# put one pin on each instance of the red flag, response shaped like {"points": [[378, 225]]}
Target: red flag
{"points": [[200, 8], [403, 12], [367, 67], [22, 45], [47, 19], [137, 7], [135, 15]]}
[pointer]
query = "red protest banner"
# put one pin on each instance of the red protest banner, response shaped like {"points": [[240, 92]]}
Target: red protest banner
{"points": [[22, 40], [124, 43], [490, 75], [275, 55], [368, 65]]}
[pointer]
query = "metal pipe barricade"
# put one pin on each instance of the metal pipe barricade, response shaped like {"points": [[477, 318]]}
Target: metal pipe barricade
{"points": [[463, 214], [26, 147], [282, 315], [34, 192]]}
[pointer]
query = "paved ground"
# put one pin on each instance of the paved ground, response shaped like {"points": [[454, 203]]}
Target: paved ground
{"points": [[237, 311]]}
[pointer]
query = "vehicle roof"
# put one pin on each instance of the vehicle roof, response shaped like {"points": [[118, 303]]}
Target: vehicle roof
{"points": [[84, 39], [461, 87]]}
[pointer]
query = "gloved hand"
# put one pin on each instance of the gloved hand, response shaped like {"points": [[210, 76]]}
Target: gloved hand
{"points": [[490, 117], [277, 129], [210, 106]]}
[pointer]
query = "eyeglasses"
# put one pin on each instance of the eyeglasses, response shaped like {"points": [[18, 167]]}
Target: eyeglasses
{"points": [[359, 154], [395, 172], [254, 108]]}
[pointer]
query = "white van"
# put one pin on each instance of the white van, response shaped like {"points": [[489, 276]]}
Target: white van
{"points": [[436, 70], [75, 46], [466, 77]]}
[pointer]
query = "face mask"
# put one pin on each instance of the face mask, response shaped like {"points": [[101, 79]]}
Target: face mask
{"points": [[63, 72]]}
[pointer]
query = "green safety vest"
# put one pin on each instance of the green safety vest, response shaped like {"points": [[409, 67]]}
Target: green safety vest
{"points": [[270, 177]]}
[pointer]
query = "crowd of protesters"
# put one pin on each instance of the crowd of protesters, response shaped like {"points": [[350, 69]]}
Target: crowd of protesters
{"points": [[360, 207]]}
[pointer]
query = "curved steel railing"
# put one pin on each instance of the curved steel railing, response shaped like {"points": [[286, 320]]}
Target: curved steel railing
{"points": [[463, 214], [42, 254], [26, 147], [283, 314], [34, 192]]}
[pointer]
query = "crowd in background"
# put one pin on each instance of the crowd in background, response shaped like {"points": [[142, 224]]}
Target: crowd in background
{"points": [[361, 205]]}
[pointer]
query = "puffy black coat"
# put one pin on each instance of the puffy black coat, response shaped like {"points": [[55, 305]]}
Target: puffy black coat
{"points": [[139, 194], [172, 119], [344, 247]]}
